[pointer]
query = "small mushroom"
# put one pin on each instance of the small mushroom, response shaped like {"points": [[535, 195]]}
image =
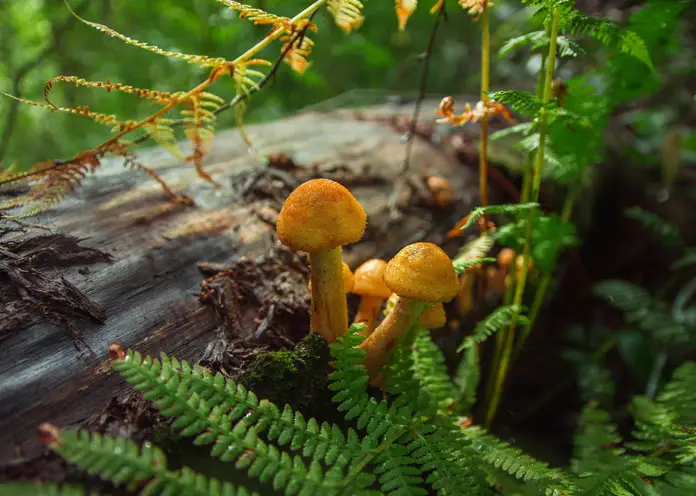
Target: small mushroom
{"points": [[369, 284], [433, 317], [319, 217], [441, 191], [420, 273]]}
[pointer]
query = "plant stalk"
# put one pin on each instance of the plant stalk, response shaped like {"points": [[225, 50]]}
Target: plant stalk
{"points": [[485, 87], [534, 196]]}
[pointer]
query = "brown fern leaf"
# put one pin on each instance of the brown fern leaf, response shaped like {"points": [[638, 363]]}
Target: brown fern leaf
{"points": [[107, 120], [347, 14], [200, 128], [199, 60], [160, 97], [257, 16], [131, 163], [296, 55]]}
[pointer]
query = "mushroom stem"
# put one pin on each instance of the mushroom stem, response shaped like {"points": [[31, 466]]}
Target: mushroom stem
{"points": [[367, 313], [329, 314], [381, 342]]}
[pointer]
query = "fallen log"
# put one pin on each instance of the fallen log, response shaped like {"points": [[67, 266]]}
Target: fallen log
{"points": [[122, 263]]}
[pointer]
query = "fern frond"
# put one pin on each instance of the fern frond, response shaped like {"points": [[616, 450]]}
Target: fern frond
{"points": [[668, 232], [402, 383], [123, 462], [474, 251], [199, 126], [608, 33], [500, 455], [160, 97], [450, 460], [40, 489], [346, 13], [161, 132], [536, 39], [523, 128], [431, 371], [106, 120], [642, 310], [499, 319], [507, 209], [255, 15], [404, 10], [461, 265], [398, 473], [296, 55], [597, 444], [522, 102], [466, 380], [233, 428], [199, 60]]}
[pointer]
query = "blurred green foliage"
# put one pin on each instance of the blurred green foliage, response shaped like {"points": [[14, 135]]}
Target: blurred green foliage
{"points": [[39, 39], [376, 57]]}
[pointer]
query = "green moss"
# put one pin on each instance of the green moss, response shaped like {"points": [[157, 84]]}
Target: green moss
{"points": [[297, 377]]}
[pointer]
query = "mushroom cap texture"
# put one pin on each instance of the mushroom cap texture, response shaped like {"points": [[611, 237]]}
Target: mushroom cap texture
{"points": [[320, 215], [422, 271], [369, 279], [433, 317]]}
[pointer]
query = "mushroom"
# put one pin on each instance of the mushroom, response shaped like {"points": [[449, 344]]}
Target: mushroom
{"points": [[319, 217], [433, 317], [420, 273], [348, 279], [441, 191], [369, 284]]}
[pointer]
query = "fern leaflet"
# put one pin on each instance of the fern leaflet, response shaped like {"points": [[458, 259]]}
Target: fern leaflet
{"points": [[499, 319]]}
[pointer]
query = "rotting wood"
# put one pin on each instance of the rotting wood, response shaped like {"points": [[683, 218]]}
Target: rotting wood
{"points": [[159, 253]]}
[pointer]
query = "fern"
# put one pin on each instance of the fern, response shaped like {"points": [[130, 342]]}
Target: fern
{"points": [[668, 232], [608, 33], [466, 380], [499, 319], [123, 462], [500, 455], [462, 264], [644, 312], [506, 209], [346, 13], [39, 489]]}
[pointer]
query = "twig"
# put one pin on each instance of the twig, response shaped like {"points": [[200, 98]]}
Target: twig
{"points": [[441, 14], [21, 73]]}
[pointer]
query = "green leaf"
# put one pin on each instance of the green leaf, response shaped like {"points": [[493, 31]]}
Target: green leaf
{"points": [[509, 209], [499, 319]]}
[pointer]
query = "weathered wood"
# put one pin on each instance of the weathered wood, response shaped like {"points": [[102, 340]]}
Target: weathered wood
{"points": [[131, 275]]}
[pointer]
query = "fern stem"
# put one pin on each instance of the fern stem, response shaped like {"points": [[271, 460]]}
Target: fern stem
{"points": [[485, 86], [209, 81], [534, 196], [545, 284]]}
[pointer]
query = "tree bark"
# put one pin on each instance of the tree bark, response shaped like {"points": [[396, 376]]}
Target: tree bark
{"points": [[124, 264]]}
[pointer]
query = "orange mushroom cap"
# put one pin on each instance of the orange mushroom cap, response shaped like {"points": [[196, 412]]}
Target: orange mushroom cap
{"points": [[505, 257], [369, 279], [422, 271], [348, 278], [433, 317], [320, 215]]}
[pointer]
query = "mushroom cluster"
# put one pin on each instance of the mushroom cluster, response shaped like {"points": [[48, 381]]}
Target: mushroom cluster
{"points": [[321, 216]]}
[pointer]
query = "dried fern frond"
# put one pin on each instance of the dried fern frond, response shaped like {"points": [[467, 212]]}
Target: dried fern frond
{"points": [[199, 60], [199, 125], [257, 16], [160, 97], [404, 9], [347, 14], [296, 54], [475, 7], [107, 120]]}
